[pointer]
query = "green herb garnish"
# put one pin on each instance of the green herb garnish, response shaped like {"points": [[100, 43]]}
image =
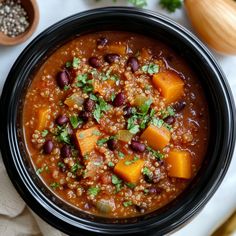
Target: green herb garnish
{"points": [[75, 121], [39, 171], [102, 141], [100, 107], [147, 172], [93, 191], [150, 68], [156, 154], [75, 62], [121, 154], [54, 185], [63, 135], [117, 182], [110, 164], [44, 133], [75, 167], [130, 162], [128, 203], [171, 5], [130, 185]]}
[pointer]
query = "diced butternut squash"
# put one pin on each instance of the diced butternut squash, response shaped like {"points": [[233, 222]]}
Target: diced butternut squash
{"points": [[179, 164], [157, 138], [117, 48], [170, 85], [43, 118], [87, 139], [74, 101], [129, 169], [124, 135]]}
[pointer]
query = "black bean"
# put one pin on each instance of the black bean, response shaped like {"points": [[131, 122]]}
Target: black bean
{"points": [[85, 115], [119, 100], [63, 79], [102, 41], [133, 63], [128, 111], [48, 147], [112, 57], [137, 146], [65, 151], [94, 62], [89, 104], [112, 144], [179, 106], [61, 120], [169, 120]]}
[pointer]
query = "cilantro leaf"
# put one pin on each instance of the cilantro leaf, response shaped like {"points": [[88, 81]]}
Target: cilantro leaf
{"points": [[102, 141], [151, 68], [147, 172], [156, 154], [138, 3], [128, 203], [171, 5], [75, 62], [93, 191], [54, 185], [145, 106], [44, 133], [63, 135], [75, 121]]}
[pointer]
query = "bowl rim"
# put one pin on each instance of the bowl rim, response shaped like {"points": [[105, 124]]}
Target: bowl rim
{"points": [[52, 217]]}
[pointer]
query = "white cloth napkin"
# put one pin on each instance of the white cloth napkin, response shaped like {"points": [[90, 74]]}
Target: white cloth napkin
{"points": [[15, 217]]}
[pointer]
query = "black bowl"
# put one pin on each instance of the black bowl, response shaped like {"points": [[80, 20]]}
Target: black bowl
{"points": [[222, 124]]}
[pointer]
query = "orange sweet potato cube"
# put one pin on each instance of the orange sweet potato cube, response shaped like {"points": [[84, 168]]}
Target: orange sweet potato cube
{"points": [[157, 138], [170, 85], [179, 164], [43, 118], [129, 169], [87, 139]]}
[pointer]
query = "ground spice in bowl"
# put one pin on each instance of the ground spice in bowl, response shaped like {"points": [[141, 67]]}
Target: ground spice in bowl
{"points": [[13, 18]]}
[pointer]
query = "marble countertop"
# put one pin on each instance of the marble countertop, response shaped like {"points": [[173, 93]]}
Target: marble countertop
{"points": [[223, 203]]}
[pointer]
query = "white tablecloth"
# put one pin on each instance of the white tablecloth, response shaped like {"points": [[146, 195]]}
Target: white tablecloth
{"points": [[16, 219]]}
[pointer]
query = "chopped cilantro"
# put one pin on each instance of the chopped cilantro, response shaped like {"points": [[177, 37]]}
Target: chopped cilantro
{"points": [[117, 182], [66, 87], [130, 185], [44, 133], [156, 154], [75, 167], [146, 191], [100, 107], [130, 162], [81, 135], [68, 64], [39, 171], [93, 191], [102, 141], [128, 203], [54, 185], [157, 122], [75, 62], [147, 172], [110, 164], [61, 165], [121, 154], [75, 121], [171, 5], [63, 135], [132, 125], [113, 95], [145, 106], [138, 3], [150, 69], [169, 111], [93, 97]]}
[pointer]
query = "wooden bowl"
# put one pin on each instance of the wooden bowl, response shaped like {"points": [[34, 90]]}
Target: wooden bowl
{"points": [[31, 7]]}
